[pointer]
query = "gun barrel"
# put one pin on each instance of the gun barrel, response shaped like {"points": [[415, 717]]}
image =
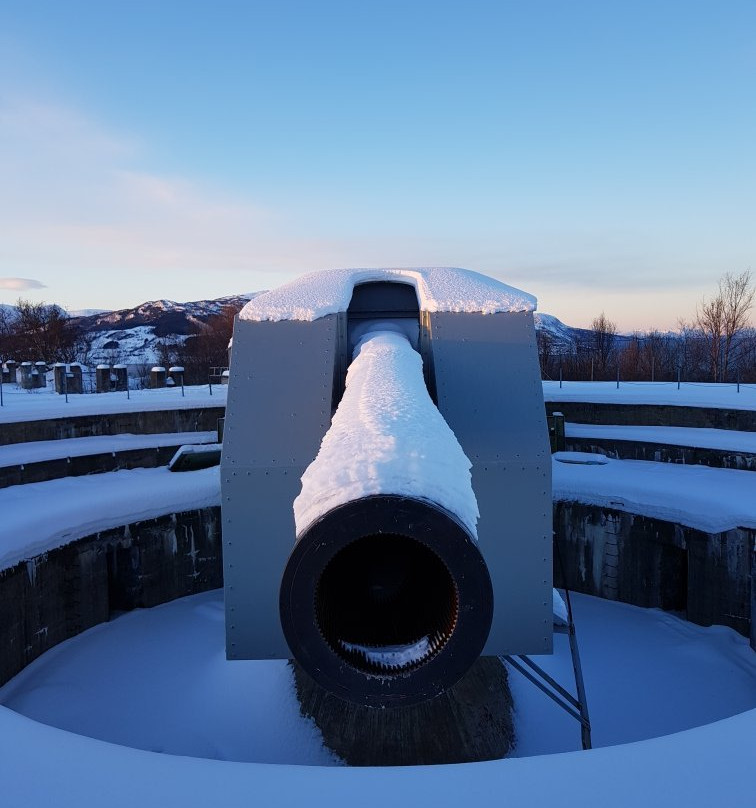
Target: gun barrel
{"points": [[386, 598]]}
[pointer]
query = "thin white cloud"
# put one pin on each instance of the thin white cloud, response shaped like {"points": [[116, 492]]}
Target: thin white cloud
{"points": [[76, 197], [20, 284]]}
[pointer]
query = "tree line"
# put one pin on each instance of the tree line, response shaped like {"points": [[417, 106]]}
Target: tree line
{"points": [[717, 345]]}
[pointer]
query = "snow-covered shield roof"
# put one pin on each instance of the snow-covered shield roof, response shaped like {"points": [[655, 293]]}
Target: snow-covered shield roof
{"points": [[438, 289]]}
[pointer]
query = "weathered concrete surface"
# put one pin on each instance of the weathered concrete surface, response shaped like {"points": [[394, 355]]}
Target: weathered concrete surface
{"points": [[59, 594], [648, 562], [584, 412], [201, 419], [471, 721], [86, 464], [664, 453], [612, 554], [753, 595]]}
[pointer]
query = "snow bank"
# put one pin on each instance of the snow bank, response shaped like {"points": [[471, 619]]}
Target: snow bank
{"points": [[247, 711], [438, 289], [709, 499], [387, 437], [188, 694], [20, 453], [43, 404], [41, 516], [699, 438], [719, 396]]}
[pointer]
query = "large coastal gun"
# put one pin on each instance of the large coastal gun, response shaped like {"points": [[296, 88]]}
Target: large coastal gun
{"points": [[386, 481]]}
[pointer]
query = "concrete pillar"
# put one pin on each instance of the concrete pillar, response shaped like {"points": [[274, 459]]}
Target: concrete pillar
{"points": [[68, 378], [24, 375], [41, 377], [75, 378], [177, 374], [10, 370], [157, 377], [60, 382], [102, 379], [121, 380], [224, 377]]}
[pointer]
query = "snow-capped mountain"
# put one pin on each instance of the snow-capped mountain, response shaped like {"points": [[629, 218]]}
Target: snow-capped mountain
{"points": [[166, 317], [133, 336], [563, 335]]}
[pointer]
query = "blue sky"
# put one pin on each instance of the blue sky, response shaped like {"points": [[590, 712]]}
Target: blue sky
{"points": [[600, 155]]}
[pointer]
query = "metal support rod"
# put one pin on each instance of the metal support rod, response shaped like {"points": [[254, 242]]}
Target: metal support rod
{"points": [[541, 686], [550, 680], [576, 707], [585, 725]]}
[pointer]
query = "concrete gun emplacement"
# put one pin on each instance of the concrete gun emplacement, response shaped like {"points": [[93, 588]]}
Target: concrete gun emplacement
{"points": [[386, 481]]}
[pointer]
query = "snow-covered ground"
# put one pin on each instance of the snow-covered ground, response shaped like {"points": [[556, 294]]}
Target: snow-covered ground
{"points": [[40, 516], [137, 345], [710, 499], [38, 451], [158, 680], [647, 673], [32, 405], [38, 405], [700, 438], [690, 394]]}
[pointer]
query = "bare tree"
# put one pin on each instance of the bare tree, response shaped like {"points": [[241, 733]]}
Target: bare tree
{"points": [[747, 355], [604, 332], [7, 332], [208, 346], [42, 331], [723, 318], [546, 346]]}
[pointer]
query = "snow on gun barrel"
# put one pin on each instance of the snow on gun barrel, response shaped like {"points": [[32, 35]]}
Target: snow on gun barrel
{"points": [[386, 598]]}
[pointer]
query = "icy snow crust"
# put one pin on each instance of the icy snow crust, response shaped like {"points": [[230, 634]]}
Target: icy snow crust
{"points": [[387, 437], [438, 289]]}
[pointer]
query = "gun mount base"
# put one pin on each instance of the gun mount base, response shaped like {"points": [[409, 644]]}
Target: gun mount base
{"points": [[471, 721]]}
